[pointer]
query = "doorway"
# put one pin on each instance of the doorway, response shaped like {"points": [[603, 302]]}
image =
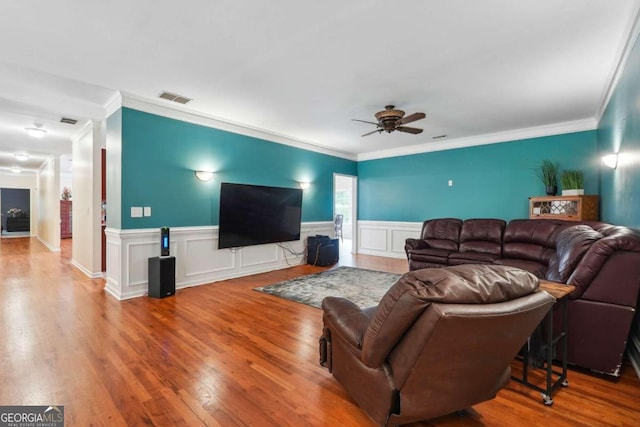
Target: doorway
{"points": [[15, 205], [345, 188]]}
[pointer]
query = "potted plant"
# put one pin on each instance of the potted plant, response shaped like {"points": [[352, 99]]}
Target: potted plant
{"points": [[572, 183], [548, 174]]}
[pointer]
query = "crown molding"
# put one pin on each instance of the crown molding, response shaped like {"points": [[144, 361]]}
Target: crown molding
{"points": [[112, 104], [82, 132], [618, 69], [493, 138], [178, 112]]}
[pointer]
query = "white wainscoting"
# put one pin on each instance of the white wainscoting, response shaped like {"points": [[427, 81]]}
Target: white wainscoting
{"points": [[198, 259], [385, 238]]}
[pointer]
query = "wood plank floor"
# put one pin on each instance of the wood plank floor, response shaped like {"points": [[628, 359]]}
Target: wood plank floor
{"points": [[217, 355]]}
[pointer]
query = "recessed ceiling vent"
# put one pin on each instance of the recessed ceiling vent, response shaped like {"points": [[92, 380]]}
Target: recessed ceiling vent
{"points": [[68, 121], [175, 98]]}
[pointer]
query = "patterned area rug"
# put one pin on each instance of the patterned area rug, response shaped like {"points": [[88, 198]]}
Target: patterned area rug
{"points": [[364, 287]]}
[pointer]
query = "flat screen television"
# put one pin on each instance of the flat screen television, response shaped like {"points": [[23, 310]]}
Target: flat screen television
{"points": [[257, 214]]}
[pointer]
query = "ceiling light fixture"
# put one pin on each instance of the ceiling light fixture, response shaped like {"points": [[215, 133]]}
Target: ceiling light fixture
{"points": [[21, 156], [36, 131], [16, 169], [204, 176]]}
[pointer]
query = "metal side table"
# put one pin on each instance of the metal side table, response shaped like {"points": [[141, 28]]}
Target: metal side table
{"points": [[561, 292]]}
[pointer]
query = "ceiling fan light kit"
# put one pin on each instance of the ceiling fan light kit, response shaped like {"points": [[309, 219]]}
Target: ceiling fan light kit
{"points": [[390, 119]]}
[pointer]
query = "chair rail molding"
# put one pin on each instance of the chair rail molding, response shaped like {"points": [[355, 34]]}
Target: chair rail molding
{"points": [[198, 259]]}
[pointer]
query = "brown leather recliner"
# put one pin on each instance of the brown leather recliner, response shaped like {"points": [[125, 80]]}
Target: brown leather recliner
{"points": [[439, 341]]}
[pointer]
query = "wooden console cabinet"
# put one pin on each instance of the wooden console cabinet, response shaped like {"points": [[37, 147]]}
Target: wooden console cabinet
{"points": [[66, 219], [568, 208]]}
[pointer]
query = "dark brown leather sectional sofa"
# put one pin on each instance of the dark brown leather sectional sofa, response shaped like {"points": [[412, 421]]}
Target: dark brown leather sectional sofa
{"points": [[601, 260]]}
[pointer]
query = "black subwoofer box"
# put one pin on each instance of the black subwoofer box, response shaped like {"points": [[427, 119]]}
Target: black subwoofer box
{"points": [[162, 276], [322, 250]]}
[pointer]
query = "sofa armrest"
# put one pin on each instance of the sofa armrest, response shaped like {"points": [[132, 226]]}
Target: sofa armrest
{"points": [[414, 244], [345, 318]]}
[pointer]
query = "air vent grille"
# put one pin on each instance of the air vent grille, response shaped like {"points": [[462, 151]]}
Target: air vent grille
{"points": [[68, 121], [175, 98]]}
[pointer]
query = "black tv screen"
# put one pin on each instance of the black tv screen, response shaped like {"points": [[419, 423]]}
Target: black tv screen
{"points": [[257, 214]]}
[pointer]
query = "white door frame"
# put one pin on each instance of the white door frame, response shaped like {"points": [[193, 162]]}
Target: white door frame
{"points": [[354, 207]]}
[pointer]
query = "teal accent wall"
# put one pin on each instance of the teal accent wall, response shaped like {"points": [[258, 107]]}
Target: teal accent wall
{"points": [[619, 132], [159, 156], [489, 181]]}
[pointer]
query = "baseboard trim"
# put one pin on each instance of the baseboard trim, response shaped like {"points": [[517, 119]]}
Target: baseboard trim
{"points": [[51, 248], [87, 273]]}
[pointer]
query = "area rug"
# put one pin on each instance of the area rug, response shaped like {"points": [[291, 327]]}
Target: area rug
{"points": [[364, 287]]}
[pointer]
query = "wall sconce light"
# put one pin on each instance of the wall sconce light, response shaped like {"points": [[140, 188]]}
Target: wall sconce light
{"points": [[303, 185], [204, 176], [21, 156], [36, 131], [610, 160], [16, 169]]}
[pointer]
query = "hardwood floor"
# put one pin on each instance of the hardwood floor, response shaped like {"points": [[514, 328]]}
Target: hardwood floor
{"points": [[217, 355]]}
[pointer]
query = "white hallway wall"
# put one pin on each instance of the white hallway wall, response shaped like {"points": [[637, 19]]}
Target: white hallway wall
{"points": [[49, 204], [86, 185]]}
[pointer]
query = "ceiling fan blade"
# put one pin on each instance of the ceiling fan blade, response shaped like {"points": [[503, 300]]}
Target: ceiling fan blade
{"points": [[372, 132], [409, 130], [411, 118], [364, 121]]}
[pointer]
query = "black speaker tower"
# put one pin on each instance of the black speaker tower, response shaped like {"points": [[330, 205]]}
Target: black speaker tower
{"points": [[162, 276]]}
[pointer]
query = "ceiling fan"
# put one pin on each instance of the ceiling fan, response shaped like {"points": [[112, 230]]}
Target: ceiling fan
{"points": [[391, 119]]}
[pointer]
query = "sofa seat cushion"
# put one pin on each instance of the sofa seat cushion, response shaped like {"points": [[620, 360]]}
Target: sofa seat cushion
{"points": [[533, 267], [458, 258], [439, 256], [420, 265]]}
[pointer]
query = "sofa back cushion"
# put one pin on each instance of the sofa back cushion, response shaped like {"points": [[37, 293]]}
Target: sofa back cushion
{"points": [[407, 299], [442, 233], [482, 235], [531, 239], [571, 245], [609, 271]]}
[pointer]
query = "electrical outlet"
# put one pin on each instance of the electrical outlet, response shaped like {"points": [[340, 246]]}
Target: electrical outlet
{"points": [[450, 183]]}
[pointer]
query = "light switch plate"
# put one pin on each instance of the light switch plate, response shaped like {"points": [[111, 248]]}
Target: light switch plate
{"points": [[136, 212], [147, 211]]}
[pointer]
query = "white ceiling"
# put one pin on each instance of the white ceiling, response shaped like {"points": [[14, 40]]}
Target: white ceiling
{"points": [[304, 69]]}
